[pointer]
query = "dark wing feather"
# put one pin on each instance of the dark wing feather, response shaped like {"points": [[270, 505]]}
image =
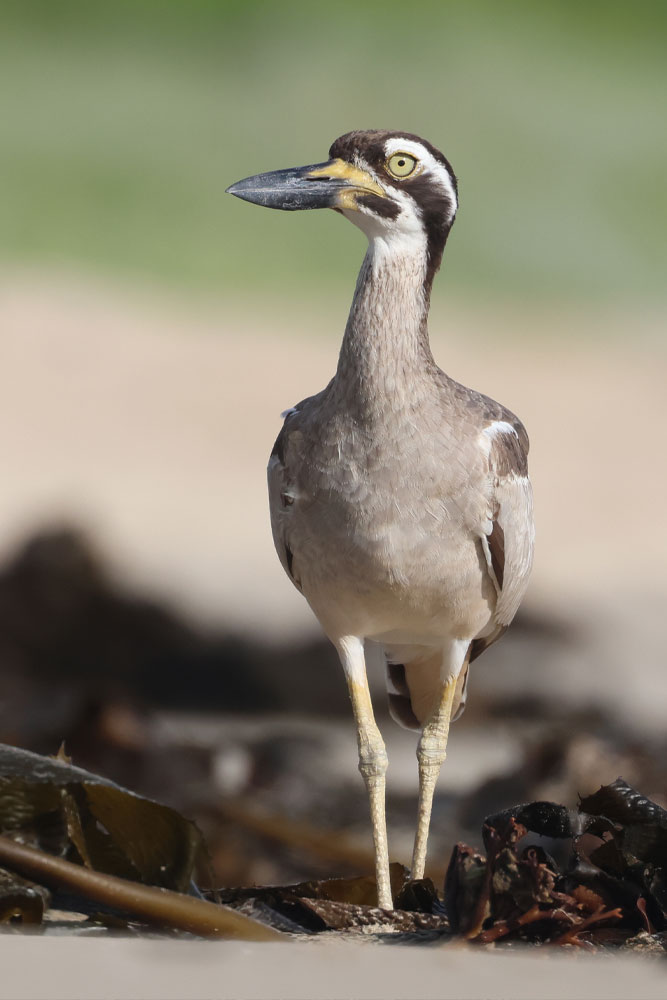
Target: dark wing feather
{"points": [[281, 486]]}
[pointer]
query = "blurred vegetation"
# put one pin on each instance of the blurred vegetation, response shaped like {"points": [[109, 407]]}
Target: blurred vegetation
{"points": [[124, 121]]}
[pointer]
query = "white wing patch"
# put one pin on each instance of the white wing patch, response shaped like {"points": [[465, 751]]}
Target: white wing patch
{"points": [[509, 531], [489, 559], [514, 495], [493, 430]]}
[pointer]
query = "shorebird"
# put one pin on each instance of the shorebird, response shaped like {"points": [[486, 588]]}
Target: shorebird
{"points": [[400, 501]]}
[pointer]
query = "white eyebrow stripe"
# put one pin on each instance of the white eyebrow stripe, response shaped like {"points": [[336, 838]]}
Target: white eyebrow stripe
{"points": [[433, 166], [398, 145]]}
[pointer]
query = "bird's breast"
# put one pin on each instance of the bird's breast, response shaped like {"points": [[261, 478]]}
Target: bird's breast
{"points": [[376, 519], [385, 522]]}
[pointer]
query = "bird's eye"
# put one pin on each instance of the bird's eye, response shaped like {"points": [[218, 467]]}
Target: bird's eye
{"points": [[401, 164]]}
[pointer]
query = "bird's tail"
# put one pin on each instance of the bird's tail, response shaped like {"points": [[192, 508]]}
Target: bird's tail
{"points": [[414, 688]]}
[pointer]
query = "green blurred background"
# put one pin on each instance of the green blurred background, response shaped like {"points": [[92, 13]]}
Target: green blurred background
{"points": [[123, 122]]}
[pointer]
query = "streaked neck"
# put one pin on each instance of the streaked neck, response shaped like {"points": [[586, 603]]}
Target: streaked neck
{"points": [[386, 337]]}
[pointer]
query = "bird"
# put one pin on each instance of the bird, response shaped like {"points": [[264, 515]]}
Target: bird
{"points": [[400, 502]]}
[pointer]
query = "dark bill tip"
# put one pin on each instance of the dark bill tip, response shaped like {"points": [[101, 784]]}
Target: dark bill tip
{"points": [[291, 190]]}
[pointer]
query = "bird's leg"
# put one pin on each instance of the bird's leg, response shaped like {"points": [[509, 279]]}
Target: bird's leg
{"points": [[372, 757], [431, 752]]}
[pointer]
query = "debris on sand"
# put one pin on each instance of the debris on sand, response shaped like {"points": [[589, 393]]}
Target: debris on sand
{"points": [[72, 842]]}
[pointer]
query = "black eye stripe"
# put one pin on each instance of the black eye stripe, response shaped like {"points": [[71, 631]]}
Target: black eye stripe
{"points": [[384, 207]]}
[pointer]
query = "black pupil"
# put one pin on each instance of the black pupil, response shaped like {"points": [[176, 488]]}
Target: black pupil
{"points": [[401, 163]]}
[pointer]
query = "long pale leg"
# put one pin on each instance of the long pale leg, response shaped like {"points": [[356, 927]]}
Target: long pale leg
{"points": [[431, 753], [372, 757]]}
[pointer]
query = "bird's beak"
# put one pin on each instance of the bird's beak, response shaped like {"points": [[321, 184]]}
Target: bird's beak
{"points": [[322, 185]]}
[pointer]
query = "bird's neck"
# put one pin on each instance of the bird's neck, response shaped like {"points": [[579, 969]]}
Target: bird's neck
{"points": [[386, 338]]}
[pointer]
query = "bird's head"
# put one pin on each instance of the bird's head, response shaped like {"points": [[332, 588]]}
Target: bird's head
{"points": [[396, 187]]}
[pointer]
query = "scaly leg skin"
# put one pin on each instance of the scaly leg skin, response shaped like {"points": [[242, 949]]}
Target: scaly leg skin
{"points": [[431, 753], [372, 758]]}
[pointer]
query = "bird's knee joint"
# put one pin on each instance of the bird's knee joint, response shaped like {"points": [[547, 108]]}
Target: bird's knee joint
{"points": [[373, 760], [430, 752]]}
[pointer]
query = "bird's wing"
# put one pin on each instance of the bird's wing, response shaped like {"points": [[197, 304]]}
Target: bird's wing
{"points": [[508, 534], [283, 492]]}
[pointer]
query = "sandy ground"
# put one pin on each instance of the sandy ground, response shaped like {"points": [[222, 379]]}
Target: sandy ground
{"points": [[115, 969], [147, 419]]}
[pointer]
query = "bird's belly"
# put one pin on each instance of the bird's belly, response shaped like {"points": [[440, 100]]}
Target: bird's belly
{"points": [[412, 574]]}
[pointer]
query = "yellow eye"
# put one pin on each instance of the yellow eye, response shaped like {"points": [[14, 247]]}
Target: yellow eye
{"points": [[401, 164]]}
